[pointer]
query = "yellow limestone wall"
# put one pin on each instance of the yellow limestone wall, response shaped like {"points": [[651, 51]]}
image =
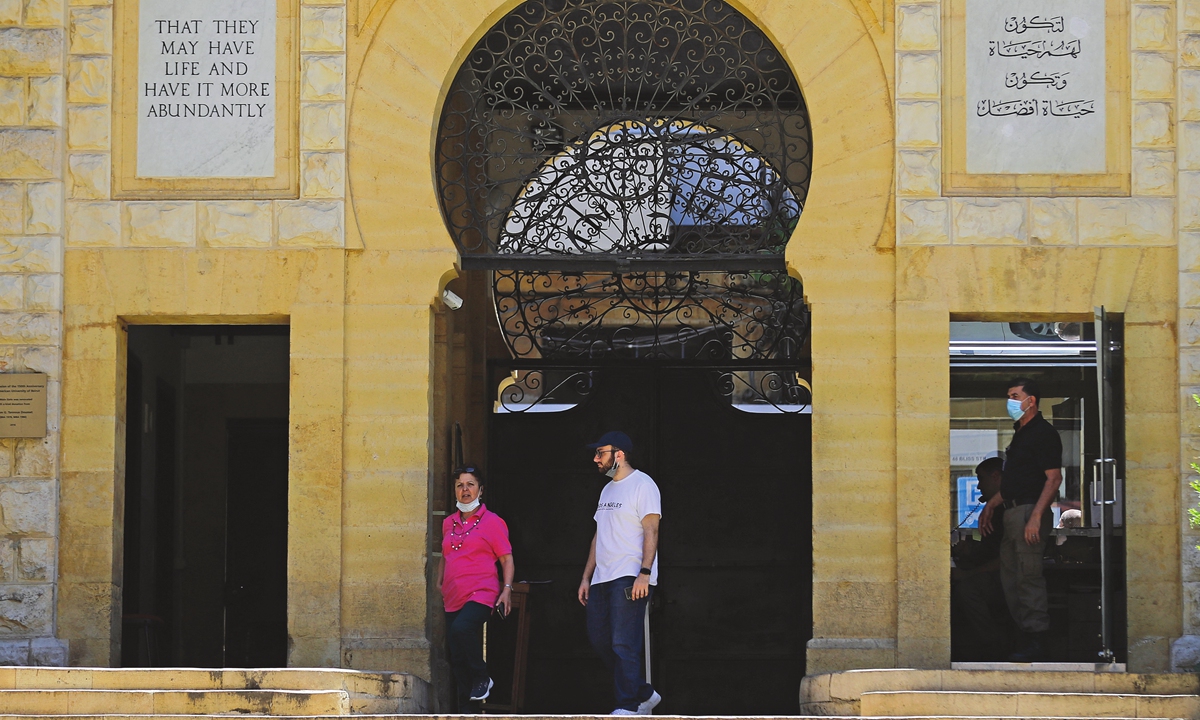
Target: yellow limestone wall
{"points": [[355, 262]]}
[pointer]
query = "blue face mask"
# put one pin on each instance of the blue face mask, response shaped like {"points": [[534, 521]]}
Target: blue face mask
{"points": [[1014, 409]]}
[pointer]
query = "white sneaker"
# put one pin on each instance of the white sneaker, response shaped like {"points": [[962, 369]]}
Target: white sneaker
{"points": [[647, 707], [623, 711]]}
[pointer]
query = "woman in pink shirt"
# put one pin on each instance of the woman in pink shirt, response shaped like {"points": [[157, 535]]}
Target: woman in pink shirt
{"points": [[473, 541]]}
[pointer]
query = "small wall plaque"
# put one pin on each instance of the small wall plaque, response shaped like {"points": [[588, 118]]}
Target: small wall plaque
{"points": [[23, 405]]}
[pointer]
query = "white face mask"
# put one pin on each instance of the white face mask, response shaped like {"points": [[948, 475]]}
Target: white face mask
{"points": [[612, 471], [1014, 409], [469, 507]]}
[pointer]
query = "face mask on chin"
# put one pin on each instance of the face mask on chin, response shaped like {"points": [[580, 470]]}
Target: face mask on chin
{"points": [[469, 507], [1014, 409]]}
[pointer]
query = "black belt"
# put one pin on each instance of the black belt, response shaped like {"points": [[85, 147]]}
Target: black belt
{"points": [[1010, 504]]}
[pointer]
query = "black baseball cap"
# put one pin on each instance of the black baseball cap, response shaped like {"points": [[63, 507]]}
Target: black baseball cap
{"points": [[616, 438]]}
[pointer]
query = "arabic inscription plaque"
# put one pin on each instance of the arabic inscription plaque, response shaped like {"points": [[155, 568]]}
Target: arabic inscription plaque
{"points": [[23, 405], [1035, 86]]}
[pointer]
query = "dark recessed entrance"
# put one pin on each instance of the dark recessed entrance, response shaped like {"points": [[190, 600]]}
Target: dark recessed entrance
{"points": [[734, 605], [205, 564]]}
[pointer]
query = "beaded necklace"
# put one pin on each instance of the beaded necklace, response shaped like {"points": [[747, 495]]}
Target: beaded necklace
{"points": [[462, 537]]}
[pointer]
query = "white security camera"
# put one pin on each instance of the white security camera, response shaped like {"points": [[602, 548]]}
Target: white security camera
{"points": [[452, 301]]}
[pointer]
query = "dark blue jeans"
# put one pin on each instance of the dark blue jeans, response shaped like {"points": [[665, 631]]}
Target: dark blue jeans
{"points": [[464, 631], [616, 629]]}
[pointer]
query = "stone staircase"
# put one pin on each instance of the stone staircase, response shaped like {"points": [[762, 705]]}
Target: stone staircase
{"points": [[1001, 694], [160, 692]]}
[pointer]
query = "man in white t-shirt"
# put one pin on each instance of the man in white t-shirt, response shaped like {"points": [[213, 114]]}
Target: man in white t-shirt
{"points": [[621, 568]]}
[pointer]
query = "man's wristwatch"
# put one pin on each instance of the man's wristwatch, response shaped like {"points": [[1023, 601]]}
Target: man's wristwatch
{"points": [[645, 571]]}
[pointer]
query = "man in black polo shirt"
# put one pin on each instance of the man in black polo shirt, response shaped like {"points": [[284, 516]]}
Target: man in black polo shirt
{"points": [[1032, 474]]}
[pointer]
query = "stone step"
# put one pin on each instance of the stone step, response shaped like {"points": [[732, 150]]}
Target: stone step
{"points": [[297, 703], [369, 692], [839, 693], [1027, 704]]}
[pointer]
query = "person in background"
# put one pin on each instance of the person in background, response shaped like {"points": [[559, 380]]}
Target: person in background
{"points": [[474, 540], [976, 589], [1031, 477], [621, 570]]}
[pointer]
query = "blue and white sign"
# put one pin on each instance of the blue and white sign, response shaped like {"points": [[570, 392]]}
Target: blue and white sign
{"points": [[970, 504]]}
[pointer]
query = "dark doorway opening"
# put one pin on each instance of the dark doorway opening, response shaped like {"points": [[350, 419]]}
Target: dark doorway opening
{"points": [[205, 550], [733, 609]]}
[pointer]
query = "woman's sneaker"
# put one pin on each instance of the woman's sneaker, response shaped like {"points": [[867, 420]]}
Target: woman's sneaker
{"points": [[647, 706], [481, 690]]}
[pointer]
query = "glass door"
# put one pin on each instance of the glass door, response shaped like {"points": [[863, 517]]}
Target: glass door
{"points": [[1106, 484]]}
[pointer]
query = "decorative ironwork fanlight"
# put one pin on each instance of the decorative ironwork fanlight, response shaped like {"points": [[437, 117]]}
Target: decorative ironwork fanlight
{"points": [[612, 134], [701, 317]]}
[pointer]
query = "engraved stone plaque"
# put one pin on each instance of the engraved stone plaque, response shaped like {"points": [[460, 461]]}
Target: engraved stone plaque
{"points": [[1035, 86], [23, 405], [206, 88]]}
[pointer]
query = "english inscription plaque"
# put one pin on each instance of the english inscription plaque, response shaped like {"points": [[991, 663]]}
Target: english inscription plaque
{"points": [[23, 405], [206, 88], [1035, 86]]}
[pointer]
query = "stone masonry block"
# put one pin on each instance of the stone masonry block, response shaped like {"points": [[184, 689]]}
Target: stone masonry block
{"points": [[36, 457], [1152, 124], [1189, 146], [1152, 28], [1126, 221], [1052, 221], [48, 652], [918, 124], [919, 76], [310, 223], [919, 173], [12, 291], [43, 208], [322, 174], [44, 12], [12, 100], [14, 652], [25, 328], [323, 77], [917, 27], [159, 224], [922, 222], [46, 101], [1189, 256], [7, 445], [35, 560], [43, 292], [88, 127], [1189, 50], [1189, 96], [1153, 172], [1189, 15], [1153, 75], [10, 12], [1189, 200], [91, 31], [37, 359], [322, 29], [322, 126], [26, 51], [27, 508], [89, 80], [26, 610], [88, 177], [12, 208], [30, 254], [29, 154], [990, 221], [235, 224], [1189, 294], [93, 224]]}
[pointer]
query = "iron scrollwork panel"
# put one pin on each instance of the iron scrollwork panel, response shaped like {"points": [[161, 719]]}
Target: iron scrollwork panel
{"points": [[692, 317], [602, 128]]}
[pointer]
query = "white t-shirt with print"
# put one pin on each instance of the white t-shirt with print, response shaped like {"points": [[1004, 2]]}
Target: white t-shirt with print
{"points": [[619, 534]]}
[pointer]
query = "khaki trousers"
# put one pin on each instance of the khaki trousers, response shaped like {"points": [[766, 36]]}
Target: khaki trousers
{"points": [[1021, 570]]}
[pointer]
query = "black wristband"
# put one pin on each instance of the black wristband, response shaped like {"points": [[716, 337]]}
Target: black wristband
{"points": [[645, 571]]}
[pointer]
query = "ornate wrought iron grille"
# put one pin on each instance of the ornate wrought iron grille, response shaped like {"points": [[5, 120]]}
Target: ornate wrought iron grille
{"points": [[685, 316], [607, 134]]}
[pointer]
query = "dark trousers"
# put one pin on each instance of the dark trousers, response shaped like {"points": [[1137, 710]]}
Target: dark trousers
{"points": [[464, 631], [616, 628], [982, 615]]}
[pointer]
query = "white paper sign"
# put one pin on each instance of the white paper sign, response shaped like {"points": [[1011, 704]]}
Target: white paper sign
{"points": [[1035, 86], [206, 88], [971, 447]]}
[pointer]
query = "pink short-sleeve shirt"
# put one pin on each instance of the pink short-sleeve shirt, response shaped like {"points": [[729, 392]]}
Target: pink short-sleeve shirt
{"points": [[471, 551]]}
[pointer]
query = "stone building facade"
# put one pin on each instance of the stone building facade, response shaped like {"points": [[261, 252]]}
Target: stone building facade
{"points": [[356, 259]]}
